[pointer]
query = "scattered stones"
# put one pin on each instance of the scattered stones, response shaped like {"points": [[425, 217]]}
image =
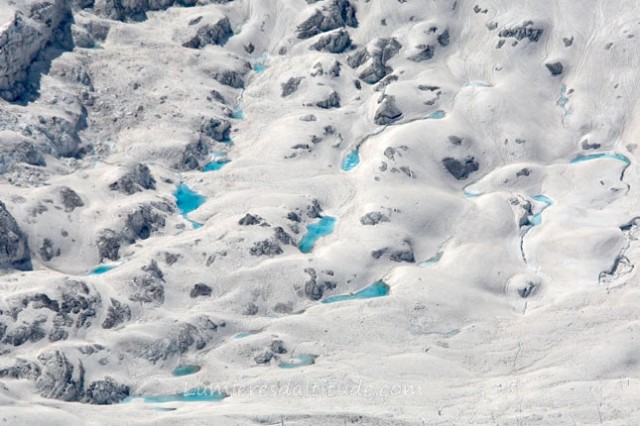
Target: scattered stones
{"points": [[70, 199]]}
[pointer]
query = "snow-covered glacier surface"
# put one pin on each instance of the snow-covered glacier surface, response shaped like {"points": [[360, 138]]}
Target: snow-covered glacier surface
{"points": [[319, 212]]}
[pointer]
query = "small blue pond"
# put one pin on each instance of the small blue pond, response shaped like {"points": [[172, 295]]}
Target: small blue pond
{"points": [[215, 164], [192, 395], [244, 334], [258, 68], [431, 261], [351, 160], [315, 231], [238, 113], [612, 155], [187, 200], [102, 269], [476, 84], [299, 361], [377, 289], [468, 194], [536, 219], [185, 370], [562, 101], [437, 115]]}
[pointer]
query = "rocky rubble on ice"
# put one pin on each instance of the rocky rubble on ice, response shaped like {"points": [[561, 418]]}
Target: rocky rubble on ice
{"points": [[439, 196]]}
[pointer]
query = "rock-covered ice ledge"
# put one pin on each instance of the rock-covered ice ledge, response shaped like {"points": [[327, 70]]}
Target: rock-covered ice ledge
{"points": [[26, 29]]}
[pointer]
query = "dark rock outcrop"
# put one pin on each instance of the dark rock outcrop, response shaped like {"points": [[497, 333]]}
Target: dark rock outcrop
{"points": [[332, 101], [199, 290], [388, 112], [526, 30], [138, 178], [106, 391], [14, 246], [460, 169], [216, 129], [373, 218], [290, 86], [117, 314], [217, 34], [70, 199], [555, 68], [339, 13], [336, 42]]}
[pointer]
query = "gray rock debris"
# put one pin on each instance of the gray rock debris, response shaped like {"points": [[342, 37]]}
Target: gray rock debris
{"points": [[250, 219], [388, 112], [555, 68], [385, 49], [339, 13], [14, 245], [232, 79], [315, 288], [104, 392], [199, 290], [134, 10], [460, 169], [374, 218], [194, 153], [138, 225], [290, 86], [266, 248], [526, 30], [117, 314], [178, 340], [70, 199], [217, 34], [443, 39], [58, 380], [23, 38], [48, 251], [337, 42], [332, 101], [216, 129], [148, 288], [426, 53], [137, 179]]}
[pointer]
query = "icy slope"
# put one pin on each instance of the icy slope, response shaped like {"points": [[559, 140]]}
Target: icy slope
{"points": [[319, 212]]}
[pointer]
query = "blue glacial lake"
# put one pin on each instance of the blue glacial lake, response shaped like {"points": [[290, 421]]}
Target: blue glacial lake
{"points": [[377, 289], [315, 231], [351, 160], [596, 156], [185, 370], [301, 360]]}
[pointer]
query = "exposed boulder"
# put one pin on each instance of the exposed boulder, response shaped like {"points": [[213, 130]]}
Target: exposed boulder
{"points": [[290, 86]]}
